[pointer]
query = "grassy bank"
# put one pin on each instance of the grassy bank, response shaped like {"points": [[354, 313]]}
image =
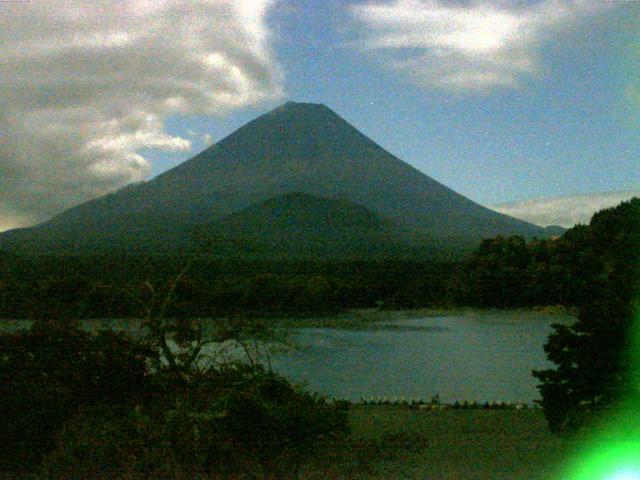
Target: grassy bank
{"points": [[401, 443]]}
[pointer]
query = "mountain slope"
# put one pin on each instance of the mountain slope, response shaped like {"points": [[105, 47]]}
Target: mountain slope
{"points": [[295, 148], [303, 226]]}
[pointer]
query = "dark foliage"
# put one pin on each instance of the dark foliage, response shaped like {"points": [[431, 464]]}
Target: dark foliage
{"points": [[595, 356], [81, 405], [52, 371], [506, 272], [238, 422], [101, 286]]}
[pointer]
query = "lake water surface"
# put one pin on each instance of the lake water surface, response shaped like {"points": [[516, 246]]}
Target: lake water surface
{"points": [[484, 356]]}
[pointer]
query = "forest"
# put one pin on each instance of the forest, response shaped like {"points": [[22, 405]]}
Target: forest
{"points": [[503, 272]]}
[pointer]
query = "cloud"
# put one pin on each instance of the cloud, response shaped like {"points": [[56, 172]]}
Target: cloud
{"points": [[474, 46], [564, 211], [86, 85], [207, 139], [10, 220]]}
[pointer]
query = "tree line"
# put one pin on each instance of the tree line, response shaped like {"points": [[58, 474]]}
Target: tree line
{"points": [[103, 286], [503, 272]]}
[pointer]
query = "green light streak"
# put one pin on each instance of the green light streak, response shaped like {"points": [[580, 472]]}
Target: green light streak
{"points": [[612, 452], [611, 458]]}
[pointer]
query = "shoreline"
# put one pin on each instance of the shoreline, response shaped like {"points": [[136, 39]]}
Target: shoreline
{"points": [[360, 318], [352, 319]]}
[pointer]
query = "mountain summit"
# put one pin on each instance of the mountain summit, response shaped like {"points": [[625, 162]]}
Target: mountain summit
{"points": [[297, 147]]}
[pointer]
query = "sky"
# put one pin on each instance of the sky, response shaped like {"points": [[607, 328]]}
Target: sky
{"points": [[528, 107]]}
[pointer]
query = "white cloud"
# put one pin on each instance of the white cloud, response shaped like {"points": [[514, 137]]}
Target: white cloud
{"points": [[473, 46], [564, 211], [86, 85], [10, 219], [207, 139]]}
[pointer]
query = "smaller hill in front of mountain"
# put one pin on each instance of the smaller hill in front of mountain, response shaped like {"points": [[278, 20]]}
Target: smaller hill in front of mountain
{"points": [[303, 226]]}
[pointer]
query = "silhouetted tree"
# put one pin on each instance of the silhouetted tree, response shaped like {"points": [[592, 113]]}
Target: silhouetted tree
{"points": [[594, 357]]}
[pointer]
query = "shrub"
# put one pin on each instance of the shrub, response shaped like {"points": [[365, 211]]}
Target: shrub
{"points": [[235, 421], [49, 372]]}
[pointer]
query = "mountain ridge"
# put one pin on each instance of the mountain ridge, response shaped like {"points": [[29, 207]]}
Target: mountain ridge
{"points": [[297, 147]]}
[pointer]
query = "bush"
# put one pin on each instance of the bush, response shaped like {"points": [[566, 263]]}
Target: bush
{"points": [[237, 421], [51, 371]]}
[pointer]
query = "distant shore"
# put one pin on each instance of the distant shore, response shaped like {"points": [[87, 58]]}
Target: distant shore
{"points": [[354, 319], [360, 318]]}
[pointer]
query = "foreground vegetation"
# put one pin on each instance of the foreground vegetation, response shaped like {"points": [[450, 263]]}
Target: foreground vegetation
{"points": [[77, 405], [395, 442], [596, 358]]}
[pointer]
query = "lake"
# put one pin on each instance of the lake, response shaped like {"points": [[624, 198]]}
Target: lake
{"points": [[469, 355], [483, 356]]}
